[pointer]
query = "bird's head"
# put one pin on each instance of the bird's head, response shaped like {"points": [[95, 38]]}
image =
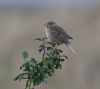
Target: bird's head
{"points": [[50, 24]]}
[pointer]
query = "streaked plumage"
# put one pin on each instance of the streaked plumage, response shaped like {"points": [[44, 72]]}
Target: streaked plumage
{"points": [[57, 35]]}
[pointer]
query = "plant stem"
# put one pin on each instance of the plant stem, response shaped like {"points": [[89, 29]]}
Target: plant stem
{"points": [[43, 49]]}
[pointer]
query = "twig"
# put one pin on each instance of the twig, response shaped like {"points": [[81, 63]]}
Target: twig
{"points": [[43, 49]]}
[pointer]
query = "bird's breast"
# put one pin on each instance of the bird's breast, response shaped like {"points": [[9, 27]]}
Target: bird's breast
{"points": [[48, 35]]}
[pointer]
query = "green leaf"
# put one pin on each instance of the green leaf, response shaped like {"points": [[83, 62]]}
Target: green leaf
{"points": [[42, 46], [25, 54], [43, 75], [62, 60], [38, 39], [50, 43], [60, 50], [44, 38], [21, 67], [48, 48], [16, 78], [40, 50], [33, 60], [20, 76]]}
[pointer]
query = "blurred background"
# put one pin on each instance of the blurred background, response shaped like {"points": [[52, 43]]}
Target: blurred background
{"points": [[21, 21]]}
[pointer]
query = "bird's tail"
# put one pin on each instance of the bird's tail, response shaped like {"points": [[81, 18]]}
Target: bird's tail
{"points": [[69, 45], [71, 48]]}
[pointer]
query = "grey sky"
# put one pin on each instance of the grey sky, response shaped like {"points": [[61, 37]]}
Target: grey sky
{"points": [[48, 3]]}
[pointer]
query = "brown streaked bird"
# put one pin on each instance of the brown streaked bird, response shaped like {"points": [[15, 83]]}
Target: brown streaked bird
{"points": [[57, 35]]}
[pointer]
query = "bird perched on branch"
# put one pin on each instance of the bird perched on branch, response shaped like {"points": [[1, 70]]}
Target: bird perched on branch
{"points": [[57, 35]]}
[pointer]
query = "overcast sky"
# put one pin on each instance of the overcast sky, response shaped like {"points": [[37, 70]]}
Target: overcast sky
{"points": [[48, 3]]}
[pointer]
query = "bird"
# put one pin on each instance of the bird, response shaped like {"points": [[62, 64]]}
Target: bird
{"points": [[57, 35]]}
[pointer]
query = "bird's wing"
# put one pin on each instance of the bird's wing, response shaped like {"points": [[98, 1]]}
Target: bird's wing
{"points": [[60, 31]]}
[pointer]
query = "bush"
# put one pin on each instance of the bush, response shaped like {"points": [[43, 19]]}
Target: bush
{"points": [[36, 72]]}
